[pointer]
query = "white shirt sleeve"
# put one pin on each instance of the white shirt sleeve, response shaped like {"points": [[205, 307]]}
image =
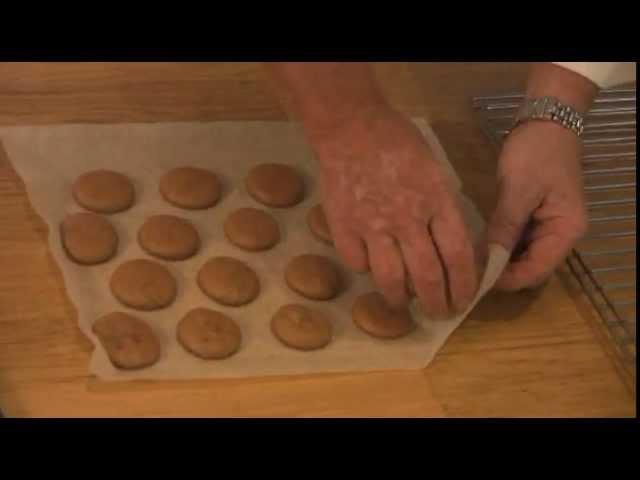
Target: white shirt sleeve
{"points": [[603, 74]]}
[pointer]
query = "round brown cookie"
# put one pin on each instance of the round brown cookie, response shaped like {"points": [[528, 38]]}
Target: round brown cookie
{"points": [[129, 342], [143, 285], [88, 238], [313, 276], [252, 229], [169, 237], [275, 185], [103, 191], [318, 225], [190, 188], [301, 327], [372, 314], [228, 281], [208, 334]]}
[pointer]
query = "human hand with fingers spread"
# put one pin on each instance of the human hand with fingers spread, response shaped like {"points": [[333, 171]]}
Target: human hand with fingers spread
{"points": [[390, 206], [393, 211]]}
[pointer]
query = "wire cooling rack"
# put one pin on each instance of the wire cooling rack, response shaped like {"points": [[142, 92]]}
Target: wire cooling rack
{"points": [[604, 262]]}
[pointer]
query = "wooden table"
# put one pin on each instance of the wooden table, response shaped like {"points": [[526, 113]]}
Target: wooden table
{"points": [[530, 354]]}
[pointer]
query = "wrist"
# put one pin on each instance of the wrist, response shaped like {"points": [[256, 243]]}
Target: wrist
{"points": [[322, 122], [326, 95], [531, 143], [570, 88], [546, 130]]}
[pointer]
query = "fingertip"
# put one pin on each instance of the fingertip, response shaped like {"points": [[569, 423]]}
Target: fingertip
{"points": [[481, 256], [507, 224], [458, 255], [520, 276], [392, 289], [388, 269], [395, 294], [352, 250], [471, 289], [506, 283], [425, 279], [434, 306], [396, 301], [435, 313], [463, 303]]}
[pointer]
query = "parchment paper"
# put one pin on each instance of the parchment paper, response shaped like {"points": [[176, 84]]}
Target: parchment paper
{"points": [[49, 158]]}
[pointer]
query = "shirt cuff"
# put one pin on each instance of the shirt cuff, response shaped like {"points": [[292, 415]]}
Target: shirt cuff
{"points": [[603, 74]]}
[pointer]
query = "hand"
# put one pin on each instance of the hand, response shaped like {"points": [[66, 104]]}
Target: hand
{"points": [[391, 208], [540, 186]]}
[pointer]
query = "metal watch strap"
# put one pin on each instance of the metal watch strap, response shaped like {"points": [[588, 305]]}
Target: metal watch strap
{"points": [[549, 108]]}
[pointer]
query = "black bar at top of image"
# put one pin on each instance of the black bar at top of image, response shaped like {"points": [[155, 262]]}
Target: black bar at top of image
{"points": [[427, 52]]}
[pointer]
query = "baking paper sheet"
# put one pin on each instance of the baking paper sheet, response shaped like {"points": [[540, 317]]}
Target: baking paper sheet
{"points": [[50, 158]]}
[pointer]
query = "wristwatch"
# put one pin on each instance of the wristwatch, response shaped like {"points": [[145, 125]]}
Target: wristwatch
{"points": [[549, 108]]}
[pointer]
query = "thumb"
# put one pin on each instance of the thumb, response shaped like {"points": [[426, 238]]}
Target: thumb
{"points": [[511, 220]]}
